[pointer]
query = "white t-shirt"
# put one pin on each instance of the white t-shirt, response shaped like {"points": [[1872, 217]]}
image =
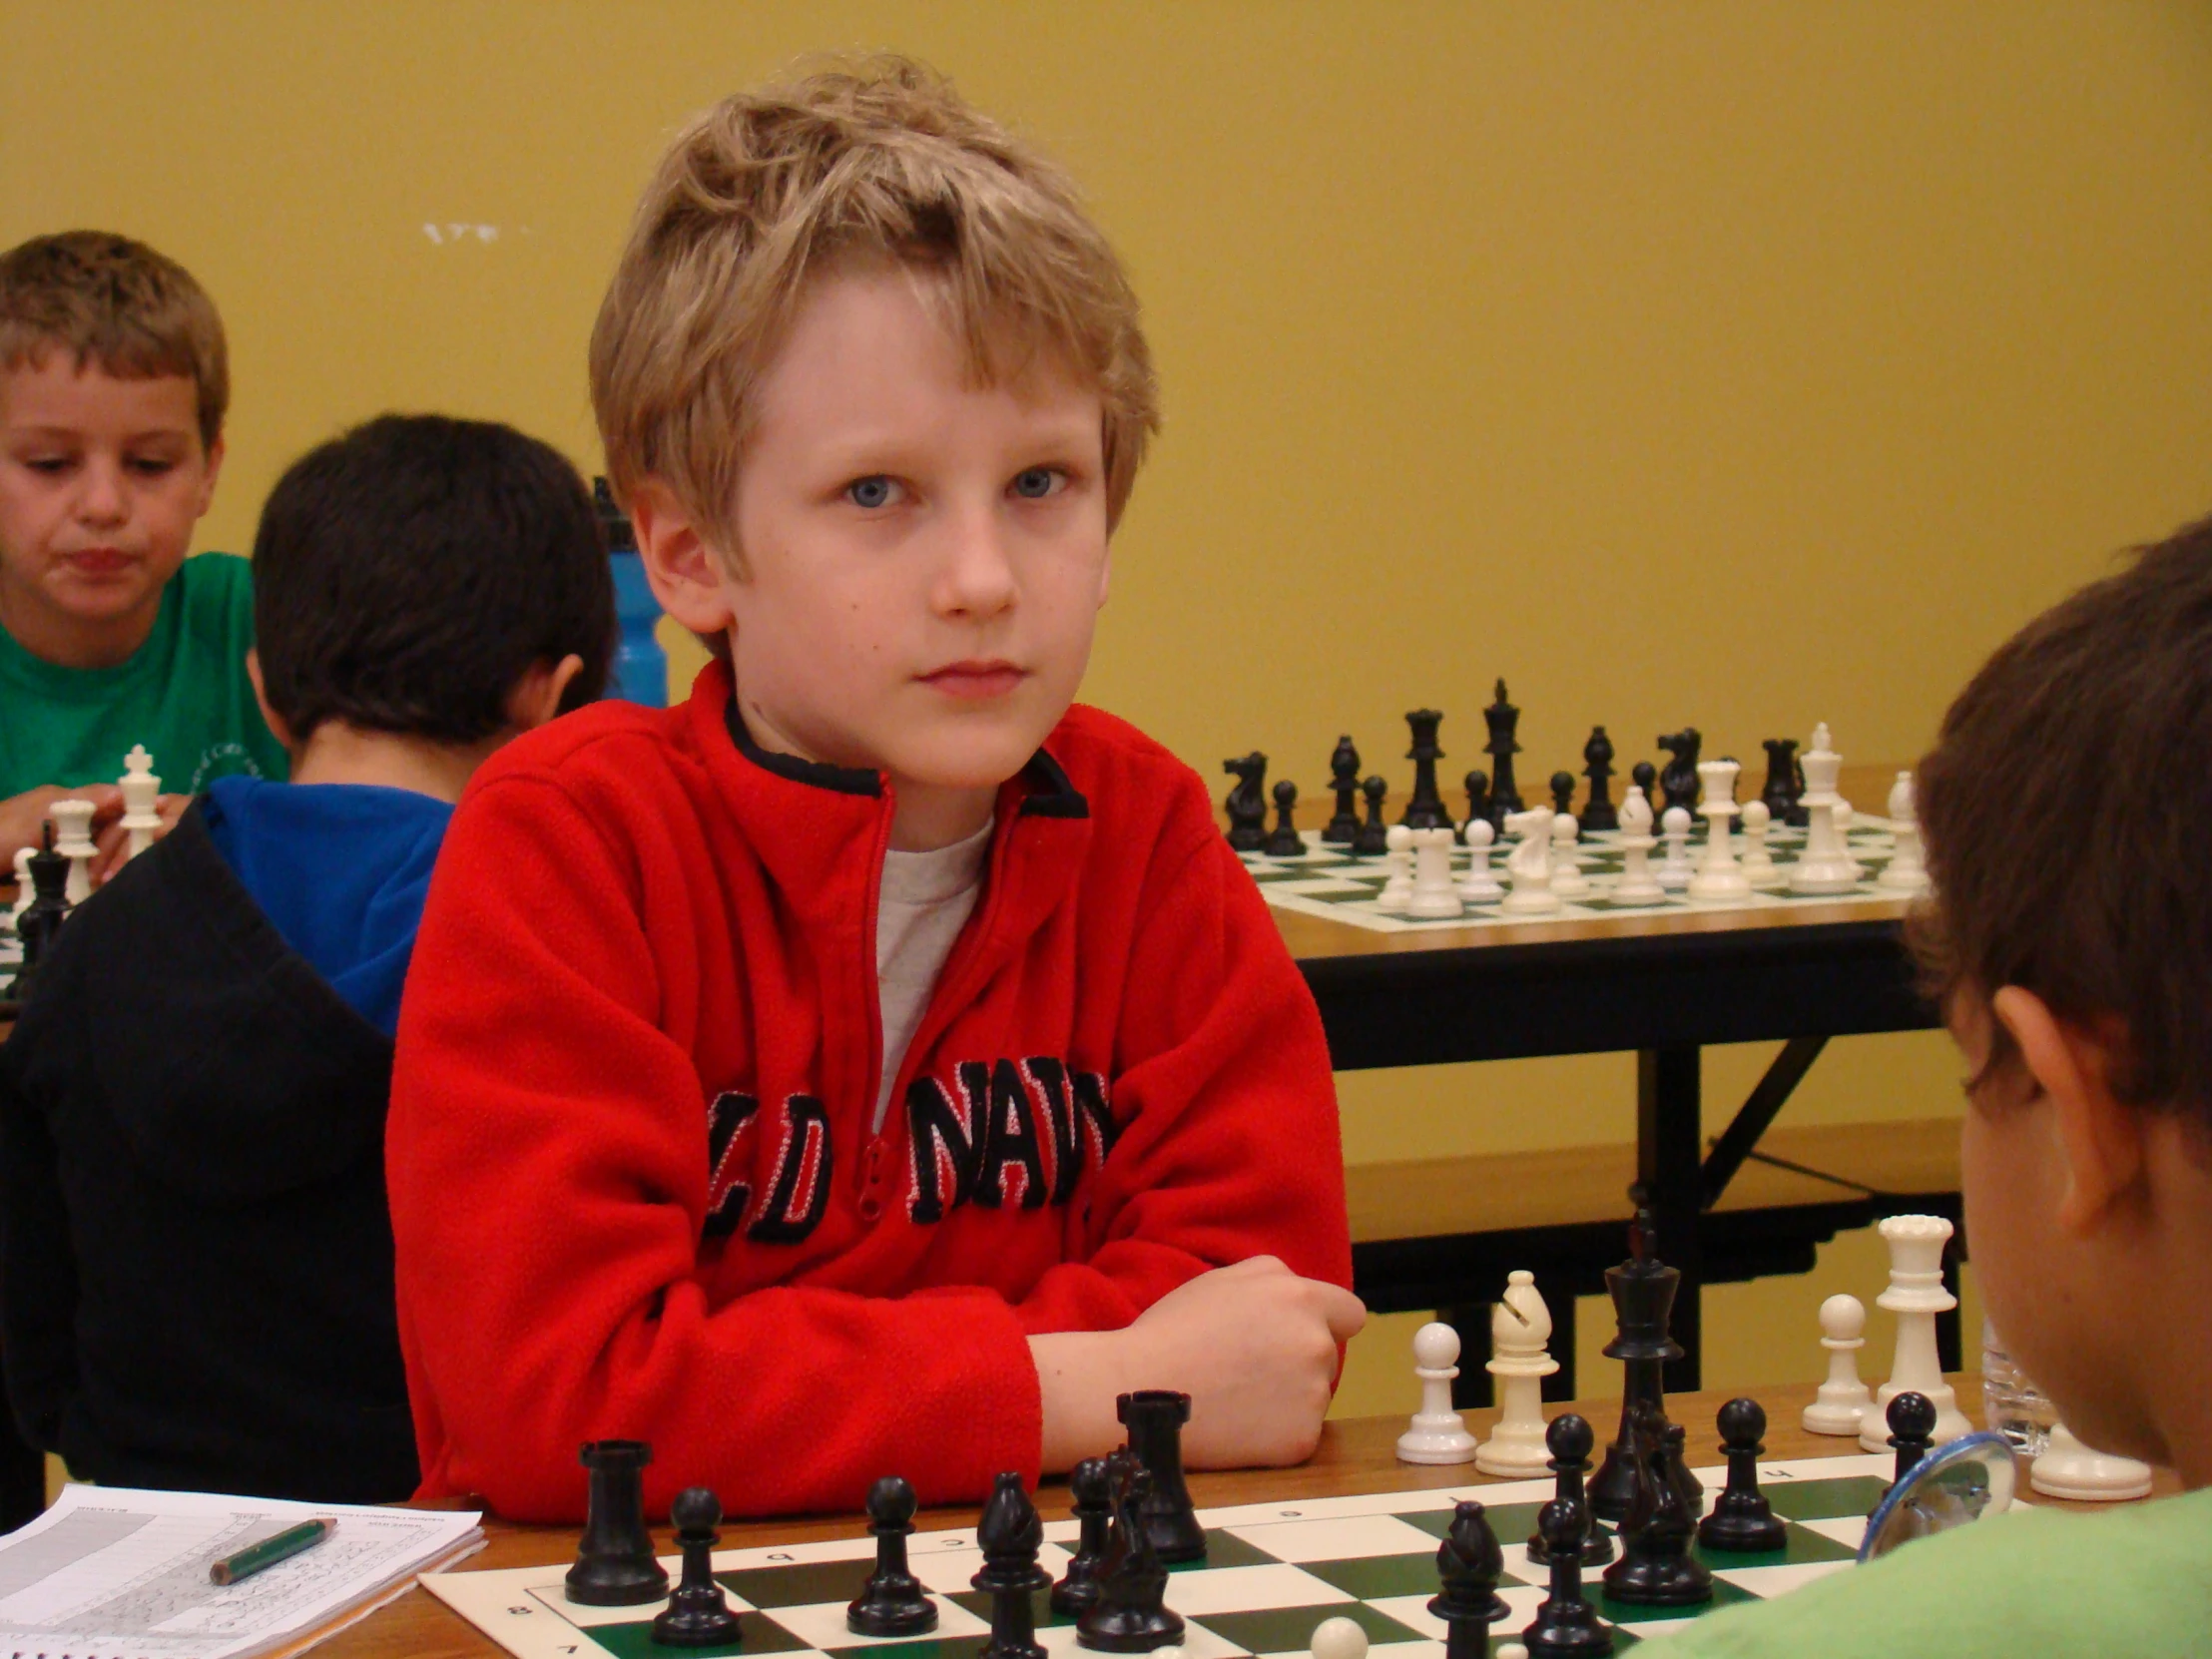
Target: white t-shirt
{"points": [[926, 899]]}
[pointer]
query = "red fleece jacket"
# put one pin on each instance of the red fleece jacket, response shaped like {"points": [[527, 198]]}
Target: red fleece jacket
{"points": [[633, 1189]]}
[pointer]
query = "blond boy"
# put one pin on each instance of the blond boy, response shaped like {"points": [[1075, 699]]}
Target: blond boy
{"points": [[114, 381], [876, 1064]]}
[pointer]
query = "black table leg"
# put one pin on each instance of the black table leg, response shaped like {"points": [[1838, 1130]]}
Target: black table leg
{"points": [[1669, 1130]]}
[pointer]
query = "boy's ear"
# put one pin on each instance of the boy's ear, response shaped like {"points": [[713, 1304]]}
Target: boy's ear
{"points": [[2101, 1137], [216, 452], [679, 565], [536, 696], [269, 716]]}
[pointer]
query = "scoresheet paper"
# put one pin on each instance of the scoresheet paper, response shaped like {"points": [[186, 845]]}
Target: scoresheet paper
{"points": [[113, 1571]]}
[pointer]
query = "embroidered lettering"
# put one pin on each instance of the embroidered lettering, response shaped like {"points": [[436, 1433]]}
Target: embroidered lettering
{"points": [[801, 1192], [727, 1197], [1010, 1138], [944, 1149]]}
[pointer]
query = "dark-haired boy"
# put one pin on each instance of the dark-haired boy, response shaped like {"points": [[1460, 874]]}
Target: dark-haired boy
{"points": [[2070, 942], [196, 1284], [114, 380]]}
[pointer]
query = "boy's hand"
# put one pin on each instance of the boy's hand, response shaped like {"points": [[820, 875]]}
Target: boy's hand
{"points": [[114, 840], [1254, 1346], [22, 815]]}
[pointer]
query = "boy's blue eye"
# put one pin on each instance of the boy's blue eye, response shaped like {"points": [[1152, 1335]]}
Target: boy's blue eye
{"points": [[1036, 482], [869, 492]]}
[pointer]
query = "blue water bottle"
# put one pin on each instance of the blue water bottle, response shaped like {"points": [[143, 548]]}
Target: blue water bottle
{"points": [[641, 666]]}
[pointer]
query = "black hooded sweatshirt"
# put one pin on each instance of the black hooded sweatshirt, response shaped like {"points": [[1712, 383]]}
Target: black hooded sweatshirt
{"points": [[195, 1260]]}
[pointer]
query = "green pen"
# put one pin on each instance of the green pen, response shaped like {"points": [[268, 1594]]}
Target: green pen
{"points": [[271, 1550]]}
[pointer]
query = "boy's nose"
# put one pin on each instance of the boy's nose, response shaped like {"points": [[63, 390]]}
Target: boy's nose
{"points": [[977, 575], [100, 496]]}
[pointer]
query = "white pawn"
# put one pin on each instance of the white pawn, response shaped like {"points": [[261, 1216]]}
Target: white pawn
{"points": [[73, 840], [142, 819], [1530, 864], [1675, 869], [1567, 879], [1825, 865], [1916, 1295], [1718, 876], [1435, 896], [1760, 869], [1906, 871], [1520, 1327], [2069, 1470], [1636, 885], [1478, 886], [1338, 1638], [1843, 1400], [1438, 1434], [22, 884], [1397, 892]]}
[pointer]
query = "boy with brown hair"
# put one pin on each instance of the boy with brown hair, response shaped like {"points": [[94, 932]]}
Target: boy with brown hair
{"points": [[876, 1064], [114, 380], [196, 1284], [2069, 942]]}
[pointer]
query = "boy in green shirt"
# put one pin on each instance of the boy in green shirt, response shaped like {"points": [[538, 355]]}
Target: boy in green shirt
{"points": [[114, 380], [2065, 807]]}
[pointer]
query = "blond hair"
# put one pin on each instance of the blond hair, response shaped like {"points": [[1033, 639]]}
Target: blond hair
{"points": [[875, 159], [118, 306]]}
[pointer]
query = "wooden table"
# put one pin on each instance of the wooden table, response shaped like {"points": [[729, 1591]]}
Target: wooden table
{"points": [[1355, 1456], [1664, 985]]}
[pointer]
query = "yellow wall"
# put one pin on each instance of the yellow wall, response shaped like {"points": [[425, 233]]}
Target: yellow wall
{"points": [[1743, 365]]}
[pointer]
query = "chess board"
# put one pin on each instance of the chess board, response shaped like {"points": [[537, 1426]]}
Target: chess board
{"points": [[1328, 881], [1272, 1572]]}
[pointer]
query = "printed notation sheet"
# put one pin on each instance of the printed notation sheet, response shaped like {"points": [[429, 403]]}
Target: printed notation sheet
{"points": [[112, 1571]]}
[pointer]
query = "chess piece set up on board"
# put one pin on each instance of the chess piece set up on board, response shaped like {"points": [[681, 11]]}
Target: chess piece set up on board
{"points": [[55, 877], [1644, 1486], [1544, 868], [2063, 1468], [1133, 1511]]}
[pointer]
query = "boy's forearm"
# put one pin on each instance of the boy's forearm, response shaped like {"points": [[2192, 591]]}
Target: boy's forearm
{"points": [[1080, 1375]]}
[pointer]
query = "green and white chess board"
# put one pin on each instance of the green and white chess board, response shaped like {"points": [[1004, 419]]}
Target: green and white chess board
{"points": [[1273, 1571], [1328, 881]]}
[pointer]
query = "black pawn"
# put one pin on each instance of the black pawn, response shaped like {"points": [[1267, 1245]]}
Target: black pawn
{"points": [[1566, 1623], [1373, 838], [1562, 793], [1679, 783], [1781, 792], [1469, 1564], [1656, 1569], [1154, 1419], [892, 1602], [1131, 1613], [42, 918], [696, 1615], [1743, 1522], [614, 1558], [1344, 778], [1503, 721], [1425, 810], [1478, 802], [1010, 1534], [1093, 1488], [1570, 1439], [1912, 1420], [1597, 765], [1247, 804], [1645, 777], [1283, 842]]}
